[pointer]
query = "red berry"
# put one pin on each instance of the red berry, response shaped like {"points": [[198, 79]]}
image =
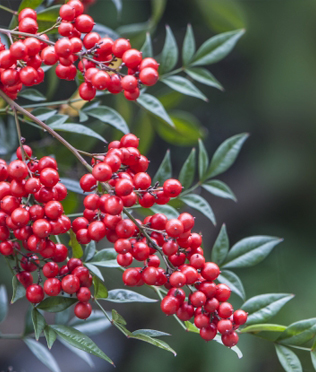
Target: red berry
{"points": [[132, 95], [149, 62], [222, 292], [18, 50], [97, 230], [84, 294], [225, 310], [172, 188], [124, 259], [150, 275], [70, 284], [113, 205], [52, 287], [240, 317], [125, 229], [174, 228], [149, 76], [201, 320], [83, 310], [120, 46], [77, 5], [25, 278], [35, 293], [61, 253], [63, 47], [211, 305], [210, 271], [177, 279], [129, 83], [28, 25], [84, 23], [224, 325], [49, 56], [230, 339], [198, 299], [132, 58], [17, 169], [87, 91], [141, 251], [169, 305], [123, 246], [131, 277], [208, 333], [33, 46], [91, 39], [67, 12], [101, 80], [27, 13], [50, 269], [87, 182]]}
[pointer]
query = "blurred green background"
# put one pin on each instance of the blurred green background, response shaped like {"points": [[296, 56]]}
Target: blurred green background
{"points": [[270, 92]]}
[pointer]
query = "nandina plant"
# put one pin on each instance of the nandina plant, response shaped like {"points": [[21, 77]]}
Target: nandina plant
{"points": [[53, 256]]}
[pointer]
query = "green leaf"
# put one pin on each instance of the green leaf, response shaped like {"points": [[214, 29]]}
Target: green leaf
{"points": [[216, 48], [81, 354], [147, 48], [188, 48], [89, 251], [166, 209], [221, 246], [150, 333], [56, 304], [100, 290], [263, 328], [105, 258], [313, 357], [184, 86], [39, 323], [203, 160], [187, 172], [219, 189], [164, 171], [50, 336], [158, 7], [153, 341], [32, 95], [57, 119], [263, 307], [77, 251], [28, 327], [125, 295], [225, 155], [43, 113], [18, 290], [80, 341], [95, 271], [204, 76], [33, 4], [169, 55], [72, 185], [232, 280], [153, 106], [298, 333], [134, 29], [42, 354], [77, 129], [117, 318], [288, 359], [250, 251], [200, 204], [3, 303], [47, 18], [109, 116], [82, 116], [94, 325], [186, 131]]}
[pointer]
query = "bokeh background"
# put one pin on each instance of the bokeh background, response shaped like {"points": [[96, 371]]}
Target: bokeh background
{"points": [[270, 92]]}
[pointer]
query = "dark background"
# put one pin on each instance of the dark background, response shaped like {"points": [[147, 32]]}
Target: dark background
{"points": [[270, 91]]}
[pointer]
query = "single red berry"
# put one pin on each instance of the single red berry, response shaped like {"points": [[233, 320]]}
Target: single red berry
{"points": [[87, 182], [77, 5], [18, 50], [185, 312], [101, 80], [120, 46], [67, 12], [61, 253], [35, 293], [96, 230], [86, 91], [208, 288], [174, 228], [150, 275], [132, 95], [28, 25], [49, 56], [240, 317], [190, 273], [25, 278], [33, 46], [169, 305], [141, 251], [131, 276], [52, 287], [27, 13], [222, 292], [84, 294], [84, 23], [113, 205], [230, 339], [208, 333], [17, 170], [211, 305], [225, 310], [177, 279], [224, 326], [149, 76], [172, 188], [149, 62], [50, 269], [210, 271], [124, 259], [91, 39], [83, 310], [70, 284], [132, 58], [201, 320]]}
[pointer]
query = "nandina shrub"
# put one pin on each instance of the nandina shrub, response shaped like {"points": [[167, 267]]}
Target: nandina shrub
{"points": [[53, 257]]}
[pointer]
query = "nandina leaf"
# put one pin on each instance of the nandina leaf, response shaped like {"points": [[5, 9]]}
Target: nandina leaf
{"points": [[105, 258], [32, 95], [89, 251], [50, 336], [42, 354], [39, 323], [169, 55], [263, 307], [219, 188], [147, 48], [56, 304], [77, 251], [203, 160], [100, 290], [288, 359], [298, 333], [152, 105], [221, 246], [184, 86], [187, 172], [164, 171], [94, 325], [150, 332], [18, 290], [80, 341], [3, 303], [188, 48], [81, 354], [197, 202], [216, 48], [33, 4], [78, 129], [125, 295], [203, 76], [256, 328]]}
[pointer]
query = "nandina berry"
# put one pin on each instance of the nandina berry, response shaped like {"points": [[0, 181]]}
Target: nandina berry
{"points": [[84, 294], [152, 260], [6, 59], [222, 292], [77, 5], [49, 177], [124, 187], [84, 23], [190, 273], [28, 25], [67, 12], [124, 259], [27, 13], [63, 47], [9, 203], [52, 287], [149, 62], [142, 180], [178, 293], [185, 312], [123, 246], [28, 76], [27, 150], [66, 29], [125, 229], [35, 293], [132, 95], [120, 46], [80, 223], [169, 305], [87, 182], [6, 248], [49, 56], [197, 261], [230, 339], [101, 80], [172, 188], [150, 275], [198, 299], [141, 251], [132, 58], [170, 247], [33, 46], [208, 288], [73, 263], [211, 305], [41, 228], [240, 317], [25, 278], [70, 284], [174, 228], [208, 333], [201, 320], [18, 50], [131, 276], [91, 201], [177, 259], [30, 262], [83, 310], [129, 200], [76, 44], [50, 270], [60, 254], [53, 209], [224, 325], [36, 212], [87, 91], [82, 273], [177, 279], [17, 170], [149, 76], [210, 271], [20, 217], [96, 230], [91, 39], [225, 310], [113, 205]]}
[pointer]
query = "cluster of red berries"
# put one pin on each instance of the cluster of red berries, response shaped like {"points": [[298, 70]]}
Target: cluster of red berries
{"points": [[30, 213], [123, 168], [21, 63]]}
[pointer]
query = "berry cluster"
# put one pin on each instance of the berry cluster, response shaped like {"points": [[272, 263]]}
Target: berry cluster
{"points": [[30, 213], [123, 170], [21, 63]]}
